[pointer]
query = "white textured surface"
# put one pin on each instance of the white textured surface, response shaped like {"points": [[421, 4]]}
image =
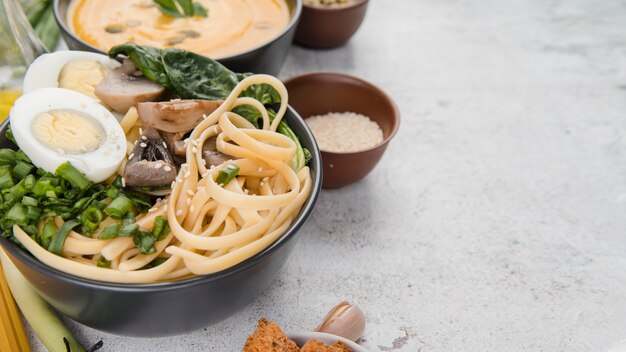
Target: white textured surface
{"points": [[496, 220]]}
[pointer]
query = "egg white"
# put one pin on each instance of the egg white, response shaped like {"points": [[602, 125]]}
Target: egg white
{"points": [[44, 71], [97, 165]]}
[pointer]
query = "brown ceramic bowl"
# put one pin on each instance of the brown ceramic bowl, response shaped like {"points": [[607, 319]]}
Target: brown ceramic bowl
{"points": [[319, 93], [327, 27]]}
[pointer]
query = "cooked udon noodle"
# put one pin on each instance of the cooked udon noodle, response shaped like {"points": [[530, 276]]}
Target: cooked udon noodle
{"points": [[213, 227]]}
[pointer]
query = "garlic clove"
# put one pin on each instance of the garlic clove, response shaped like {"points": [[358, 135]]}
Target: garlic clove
{"points": [[345, 320]]}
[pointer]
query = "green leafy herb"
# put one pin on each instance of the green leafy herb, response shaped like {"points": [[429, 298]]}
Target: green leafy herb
{"points": [[181, 8]]}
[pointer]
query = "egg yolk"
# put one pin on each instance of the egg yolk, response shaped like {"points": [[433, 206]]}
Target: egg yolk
{"points": [[67, 131], [82, 76]]}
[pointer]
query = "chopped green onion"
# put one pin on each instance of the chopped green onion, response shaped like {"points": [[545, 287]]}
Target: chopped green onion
{"points": [[144, 242], [33, 213], [91, 218], [17, 213], [48, 231], [20, 155], [46, 186], [103, 263], [161, 228], [6, 181], [30, 201], [118, 207], [56, 246], [22, 169], [128, 230], [110, 232], [29, 181], [7, 157], [227, 174], [71, 174]]}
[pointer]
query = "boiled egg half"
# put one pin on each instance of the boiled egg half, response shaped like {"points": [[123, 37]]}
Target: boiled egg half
{"points": [[55, 125], [79, 71]]}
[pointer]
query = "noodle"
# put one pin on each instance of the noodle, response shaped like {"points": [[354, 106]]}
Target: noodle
{"points": [[213, 226]]}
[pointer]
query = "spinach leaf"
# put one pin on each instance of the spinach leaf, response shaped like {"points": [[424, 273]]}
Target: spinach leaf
{"points": [[181, 8], [195, 76], [147, 59]]}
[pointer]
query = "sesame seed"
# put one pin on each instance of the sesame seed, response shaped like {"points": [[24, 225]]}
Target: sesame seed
{"points": [[203, 162], [152, 210], [194, 150], [132, 155], [179, 212], [178, 179], [140, 130], [194, 142], [144, 138], [165, 207], [204, 116], [262, 183], [173, 185], [167, 168], [345, 132], [191, 208], [123, 182], [246, 191], [190, 192], [143, 145], [187, 174], [165, 145], [188, 201], [260, 169], [158, 165]]}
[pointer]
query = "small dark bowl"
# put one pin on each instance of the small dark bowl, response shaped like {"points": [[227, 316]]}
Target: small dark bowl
{"points": [[266, 58], [169, 308], [319, 93], [328, 27]]}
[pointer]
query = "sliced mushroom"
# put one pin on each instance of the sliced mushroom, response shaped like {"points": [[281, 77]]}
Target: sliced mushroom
{"points": [[175, 145], [176, 115], [211, 155], [150, 165], [121, 91]]}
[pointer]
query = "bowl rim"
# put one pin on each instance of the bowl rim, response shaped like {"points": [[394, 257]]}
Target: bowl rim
{"points": [[332, 9], [310, 335], [295, 18], [33, 263], [378, 90]]}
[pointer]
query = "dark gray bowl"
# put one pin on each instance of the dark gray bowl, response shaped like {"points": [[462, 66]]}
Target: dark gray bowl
{"points": [[171, 308], [266, 58]]}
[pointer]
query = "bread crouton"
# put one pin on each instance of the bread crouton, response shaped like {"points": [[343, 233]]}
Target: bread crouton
{"points": [[268, 337], [318, 346]]}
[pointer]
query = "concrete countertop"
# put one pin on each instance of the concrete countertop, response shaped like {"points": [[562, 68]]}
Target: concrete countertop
{"points": [[496, 220]]}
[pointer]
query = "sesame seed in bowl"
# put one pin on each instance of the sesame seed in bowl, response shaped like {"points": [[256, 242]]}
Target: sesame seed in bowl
{"points": [[344, 132], [349, 150]]}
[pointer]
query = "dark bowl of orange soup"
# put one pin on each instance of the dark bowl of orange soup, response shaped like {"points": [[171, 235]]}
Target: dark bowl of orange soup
{"points": [[244, 35]]}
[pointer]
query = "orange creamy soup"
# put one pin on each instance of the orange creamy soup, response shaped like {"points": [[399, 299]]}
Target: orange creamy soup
{"points": [[231, 27]]}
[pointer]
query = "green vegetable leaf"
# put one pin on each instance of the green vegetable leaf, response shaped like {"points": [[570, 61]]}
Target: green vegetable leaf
{"points": [[181, 8], [147, 59], [195, 76]]}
